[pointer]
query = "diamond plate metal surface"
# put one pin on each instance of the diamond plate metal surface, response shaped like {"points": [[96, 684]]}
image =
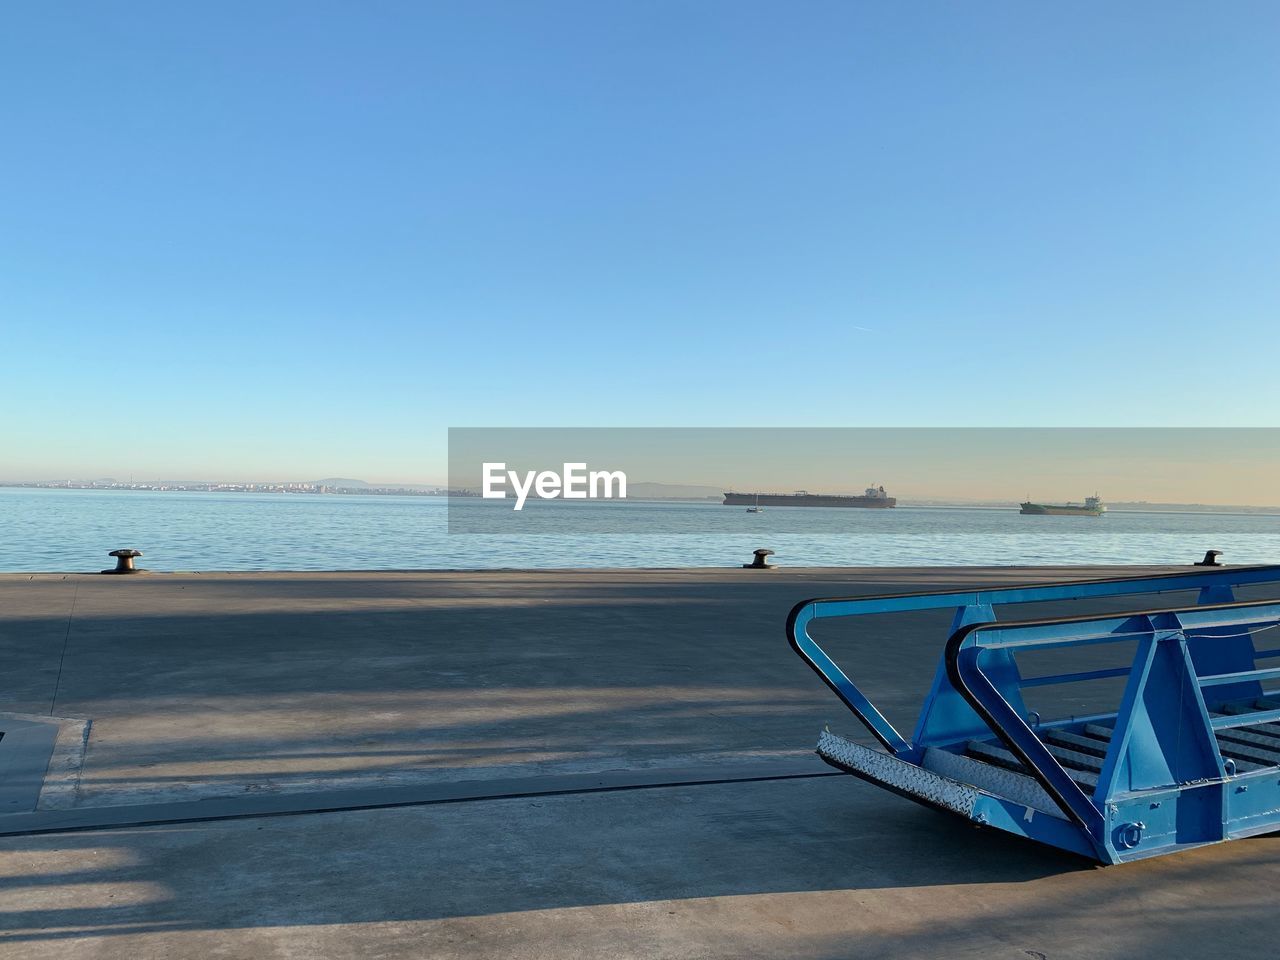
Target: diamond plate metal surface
{"points": [[889, 771], [992, 779]]}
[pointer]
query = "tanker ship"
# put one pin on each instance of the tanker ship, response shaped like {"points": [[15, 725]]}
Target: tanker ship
{"points": [[1092, 507], [874, 497]]}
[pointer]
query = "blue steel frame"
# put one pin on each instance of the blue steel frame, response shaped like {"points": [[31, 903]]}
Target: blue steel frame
{"points": [[1163, 785]]}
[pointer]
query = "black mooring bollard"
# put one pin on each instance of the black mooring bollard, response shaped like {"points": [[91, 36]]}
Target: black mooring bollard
{"points": [[1210, 559], [759, 563], [124, 561]]}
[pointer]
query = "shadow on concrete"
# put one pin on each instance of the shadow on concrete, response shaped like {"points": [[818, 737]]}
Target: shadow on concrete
{"points": [[218, 696], [504, 857], [213, 687], [289, 700], [812, 869]]}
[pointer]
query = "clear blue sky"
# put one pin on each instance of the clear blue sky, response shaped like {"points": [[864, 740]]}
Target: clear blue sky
{"points": [[279, 240]]}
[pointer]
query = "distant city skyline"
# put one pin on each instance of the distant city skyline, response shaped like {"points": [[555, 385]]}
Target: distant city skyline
{"points": [[642, 490], [270, 241], [645, 490]]}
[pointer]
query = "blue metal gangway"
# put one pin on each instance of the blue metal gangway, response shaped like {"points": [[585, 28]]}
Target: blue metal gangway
{"points": [[1190, 755]]}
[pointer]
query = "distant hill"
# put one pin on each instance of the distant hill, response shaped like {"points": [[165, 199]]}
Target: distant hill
{"points": [[341, 483], [671, 491], [1119, 506], [1139, 506]]}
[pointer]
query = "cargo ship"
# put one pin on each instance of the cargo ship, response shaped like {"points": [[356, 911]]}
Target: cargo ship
{"points": [[874, 497], [1092, 507]]}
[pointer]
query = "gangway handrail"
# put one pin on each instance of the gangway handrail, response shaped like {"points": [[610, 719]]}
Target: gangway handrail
{"points": [[981, 600]]}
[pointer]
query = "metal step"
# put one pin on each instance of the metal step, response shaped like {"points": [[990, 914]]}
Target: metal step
{"points": [[1075, 758], [1257, 744], [1074, 741], [1002, 757], [1265, 745], [1271, 730], [1247, 757], [993, 754], [996, 780], [1103, 733]]}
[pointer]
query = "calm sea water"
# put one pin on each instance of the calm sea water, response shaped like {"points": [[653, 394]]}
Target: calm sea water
{"points": [[72, 530]]}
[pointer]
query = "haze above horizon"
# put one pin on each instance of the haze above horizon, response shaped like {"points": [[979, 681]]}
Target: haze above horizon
{"points": [[293, 239]]}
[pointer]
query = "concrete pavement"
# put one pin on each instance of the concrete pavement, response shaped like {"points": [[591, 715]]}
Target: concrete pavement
{"points": [[217, 685]]}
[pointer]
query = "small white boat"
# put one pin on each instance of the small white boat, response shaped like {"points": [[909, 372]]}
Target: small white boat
{"points": [[757, 508]]}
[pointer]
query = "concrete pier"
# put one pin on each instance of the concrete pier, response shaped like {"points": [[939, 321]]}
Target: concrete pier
{"points": [[590, 763]]}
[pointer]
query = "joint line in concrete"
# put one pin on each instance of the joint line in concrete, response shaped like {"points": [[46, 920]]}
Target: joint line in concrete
{"points": [[345, 801]]}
